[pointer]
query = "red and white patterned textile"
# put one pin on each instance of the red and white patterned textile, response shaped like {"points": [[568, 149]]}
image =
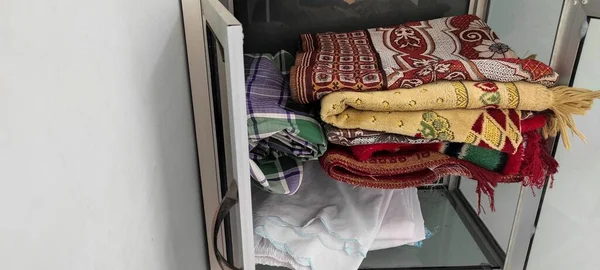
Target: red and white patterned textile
{"points": [[408, 55]]}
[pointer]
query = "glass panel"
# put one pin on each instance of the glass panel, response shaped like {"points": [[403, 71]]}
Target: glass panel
{"points": [[219, 102], [452, 245], [272, 25]]}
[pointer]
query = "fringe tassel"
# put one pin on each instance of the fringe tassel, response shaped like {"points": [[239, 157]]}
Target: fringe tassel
{"points": [[550, 164], [485, 185], [532, 168], [567, 102], [538, 164], [488, 189]]}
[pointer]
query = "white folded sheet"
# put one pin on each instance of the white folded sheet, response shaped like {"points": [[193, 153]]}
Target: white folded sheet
{"points": [[328, 224], [403, 222]]}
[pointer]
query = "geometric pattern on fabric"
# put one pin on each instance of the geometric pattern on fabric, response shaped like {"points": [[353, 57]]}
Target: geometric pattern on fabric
{"points": [[460, 48], [495, 129]]}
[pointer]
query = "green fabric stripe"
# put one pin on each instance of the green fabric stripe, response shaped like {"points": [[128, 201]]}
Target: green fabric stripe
{"points": [[307, 130], [487, 158]]}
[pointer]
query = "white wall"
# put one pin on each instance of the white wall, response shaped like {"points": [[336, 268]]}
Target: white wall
{"points": [[535, 19], [512, 20], [567, 233], [97, 154]]}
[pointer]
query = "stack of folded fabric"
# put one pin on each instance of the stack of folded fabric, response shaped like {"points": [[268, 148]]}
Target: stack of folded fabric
{"points": [[282, 134], [328, 224], [412, 103]]}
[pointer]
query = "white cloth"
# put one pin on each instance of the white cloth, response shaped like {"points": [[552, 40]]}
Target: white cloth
{"points": [[326, 225], [329, 224], [403, 222], [267, 254]]}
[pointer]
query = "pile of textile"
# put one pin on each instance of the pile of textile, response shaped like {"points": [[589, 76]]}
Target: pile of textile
{"points": [[401, 107], [409, 104], [303, 219]]}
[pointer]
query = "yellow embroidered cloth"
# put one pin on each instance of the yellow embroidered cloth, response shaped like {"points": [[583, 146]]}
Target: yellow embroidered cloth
{"points": [[459, 104], [492, 128]]}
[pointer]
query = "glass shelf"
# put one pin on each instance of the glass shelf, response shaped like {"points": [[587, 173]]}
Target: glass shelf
{"points": [[453, 244]]}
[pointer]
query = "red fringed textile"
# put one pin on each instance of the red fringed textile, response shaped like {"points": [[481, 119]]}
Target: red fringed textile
{"points": [[486, 158], [365, 152], [403, 170], [404, 166], [538, 164]]}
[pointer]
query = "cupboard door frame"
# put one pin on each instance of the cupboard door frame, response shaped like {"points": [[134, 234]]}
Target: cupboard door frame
{"points": [[572, 29], [204, 20], [217, 14], [228, 33], [194, 27]]}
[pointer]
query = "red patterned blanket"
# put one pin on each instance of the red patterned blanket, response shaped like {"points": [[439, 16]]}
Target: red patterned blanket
{"points": [[408, 55]]}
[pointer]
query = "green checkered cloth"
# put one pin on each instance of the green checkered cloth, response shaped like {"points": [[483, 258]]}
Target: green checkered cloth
{"points": [[282, 134]]}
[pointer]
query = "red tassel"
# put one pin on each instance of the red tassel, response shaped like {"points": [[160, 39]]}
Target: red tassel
{"points": [[532, 168], [550, 164], [538, 164], [485, 184]]}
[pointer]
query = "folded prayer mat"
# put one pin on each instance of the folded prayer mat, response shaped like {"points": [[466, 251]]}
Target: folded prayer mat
{"points": [[486, 158], [491, 128], [417, 168], [404, 170], [461, 48], [340, 108], [350, 137], [356, 136], [281, 133]]}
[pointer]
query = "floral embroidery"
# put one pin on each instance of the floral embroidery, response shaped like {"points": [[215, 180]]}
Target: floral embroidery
{"points": [[411, 83], [487, 86], [433, 69], [490, 100], [494, 49], [423, 62], [405, 37], [455, 76], [434, 126], [476, 24]]}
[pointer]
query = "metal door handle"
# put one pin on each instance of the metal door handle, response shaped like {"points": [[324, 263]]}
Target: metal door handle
{"points": [[230, 200]]}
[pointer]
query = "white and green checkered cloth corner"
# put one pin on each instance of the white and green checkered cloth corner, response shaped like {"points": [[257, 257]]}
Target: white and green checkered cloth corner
{"points": [[282, 134]]}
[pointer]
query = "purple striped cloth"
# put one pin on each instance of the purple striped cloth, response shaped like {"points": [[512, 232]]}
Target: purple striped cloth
{"points": [[282, 134]]}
